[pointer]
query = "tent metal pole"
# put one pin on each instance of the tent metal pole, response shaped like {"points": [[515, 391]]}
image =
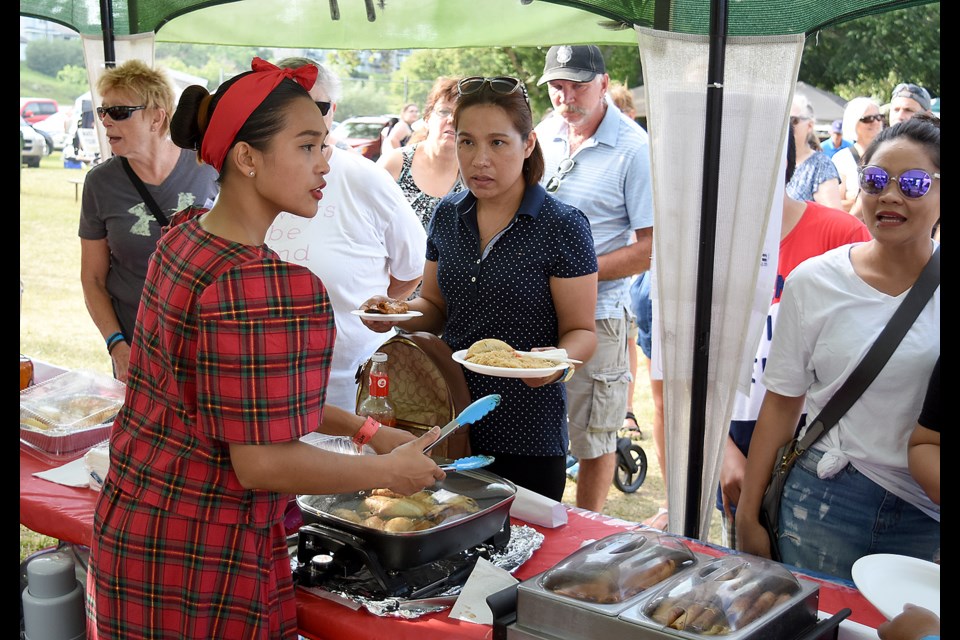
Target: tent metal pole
{"points": [[106, 25], [705, 266]]}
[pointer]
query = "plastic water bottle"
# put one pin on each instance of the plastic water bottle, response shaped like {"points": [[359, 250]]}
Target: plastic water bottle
{"points": [[53, 600]]}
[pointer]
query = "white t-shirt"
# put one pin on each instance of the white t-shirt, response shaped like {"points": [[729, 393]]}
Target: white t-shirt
{"points": [[828, 320], [364, 232], [849, 172]]}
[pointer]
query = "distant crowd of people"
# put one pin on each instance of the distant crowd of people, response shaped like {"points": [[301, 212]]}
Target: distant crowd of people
{"points": [[226, 244]]}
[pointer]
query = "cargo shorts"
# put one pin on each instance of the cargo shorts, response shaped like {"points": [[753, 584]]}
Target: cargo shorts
{"points": [[597, 393]]}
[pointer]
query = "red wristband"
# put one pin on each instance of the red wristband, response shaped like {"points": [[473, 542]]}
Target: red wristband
{"points": [[366, 432]]}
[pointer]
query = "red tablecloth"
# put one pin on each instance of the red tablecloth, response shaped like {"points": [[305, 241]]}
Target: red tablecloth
{"points": [[66, 513]]}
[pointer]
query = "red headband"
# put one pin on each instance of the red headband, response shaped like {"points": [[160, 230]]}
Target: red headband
{"points": [[242, 99]]}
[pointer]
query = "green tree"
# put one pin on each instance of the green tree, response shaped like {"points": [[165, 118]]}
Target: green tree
{"points": [[74, 77], [215, 63], [869, 56], [49, 56], [362, 98], [418, 72]]}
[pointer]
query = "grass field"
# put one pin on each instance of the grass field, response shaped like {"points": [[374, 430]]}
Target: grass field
{"points": [[55, 326]]}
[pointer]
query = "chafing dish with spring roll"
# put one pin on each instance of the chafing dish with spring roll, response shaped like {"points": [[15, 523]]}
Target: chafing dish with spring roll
{"points": [[648, 585]]}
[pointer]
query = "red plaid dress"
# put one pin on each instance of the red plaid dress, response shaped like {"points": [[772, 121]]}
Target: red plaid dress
{"points": [[232, 345]]}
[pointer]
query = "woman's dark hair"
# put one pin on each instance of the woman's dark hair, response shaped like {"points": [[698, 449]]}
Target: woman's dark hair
{"points": [[921, 129], [197, 105], [791, 155], [515, 105]]}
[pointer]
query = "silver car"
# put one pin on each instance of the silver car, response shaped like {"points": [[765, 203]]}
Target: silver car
{"points": [[33, 146]]}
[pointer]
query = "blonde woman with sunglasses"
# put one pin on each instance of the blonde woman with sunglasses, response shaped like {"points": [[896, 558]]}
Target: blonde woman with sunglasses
{"points": [[862, 122], [851, 493], [506, 260], [118, 228]]}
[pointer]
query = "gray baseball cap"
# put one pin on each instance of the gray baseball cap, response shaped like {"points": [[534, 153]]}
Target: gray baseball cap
{"points": [[577, 63], [918, 93]]}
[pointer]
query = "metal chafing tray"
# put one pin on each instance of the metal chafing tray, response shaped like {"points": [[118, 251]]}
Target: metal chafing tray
{"points": [[401, 550], [739, 597]]}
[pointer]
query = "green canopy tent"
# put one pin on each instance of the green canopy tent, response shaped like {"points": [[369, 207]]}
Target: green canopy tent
{"points": [[717, 27]]}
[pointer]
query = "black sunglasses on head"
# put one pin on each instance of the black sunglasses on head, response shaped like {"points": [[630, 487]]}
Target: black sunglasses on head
{"points": [[118, 112], [323, 106], [503, 85]]}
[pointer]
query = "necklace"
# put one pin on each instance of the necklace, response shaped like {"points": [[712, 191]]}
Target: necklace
{"points": [[492, 229]]}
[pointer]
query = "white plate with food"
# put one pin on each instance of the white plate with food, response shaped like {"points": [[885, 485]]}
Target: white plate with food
{"points": [[507, 372], [385, 317], [890, 581]]}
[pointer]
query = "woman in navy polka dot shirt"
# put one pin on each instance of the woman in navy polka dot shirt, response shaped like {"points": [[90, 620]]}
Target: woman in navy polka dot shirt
{"points": [[507, 260]]}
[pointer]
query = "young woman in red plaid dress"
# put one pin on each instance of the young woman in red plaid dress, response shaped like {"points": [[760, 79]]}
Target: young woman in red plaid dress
{"points": [[229, 362]]}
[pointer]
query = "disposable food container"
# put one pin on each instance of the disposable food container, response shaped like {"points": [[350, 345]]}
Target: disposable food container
{"points": [[69, 413]]}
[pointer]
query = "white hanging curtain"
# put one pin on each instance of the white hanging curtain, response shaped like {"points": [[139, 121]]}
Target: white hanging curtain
{"points": [[126, 48], [759, 78]]}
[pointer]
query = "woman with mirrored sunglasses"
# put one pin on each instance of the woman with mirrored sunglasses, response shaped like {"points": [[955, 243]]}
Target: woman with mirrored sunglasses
{"points": [[118, 229], [852, 494], [507, 260], [861, 124], [426, 168]]}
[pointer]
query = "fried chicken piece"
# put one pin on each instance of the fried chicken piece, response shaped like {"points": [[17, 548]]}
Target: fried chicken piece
{"points": [[389, 307]]}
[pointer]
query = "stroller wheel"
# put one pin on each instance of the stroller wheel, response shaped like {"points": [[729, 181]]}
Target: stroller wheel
{"points": [[631, 466]]}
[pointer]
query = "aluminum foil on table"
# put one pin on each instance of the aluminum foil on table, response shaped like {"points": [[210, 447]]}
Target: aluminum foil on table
{"points": [[523, 542]]}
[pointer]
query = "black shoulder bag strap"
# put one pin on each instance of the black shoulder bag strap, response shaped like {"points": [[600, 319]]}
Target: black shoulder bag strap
{"points": [[884, 346], [855, 154], [142, 190]]}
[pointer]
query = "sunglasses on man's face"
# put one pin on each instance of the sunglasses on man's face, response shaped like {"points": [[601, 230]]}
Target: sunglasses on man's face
{"points": [[874, 118], [323, 106], [118, 113], [914, 183], [566, 166]]}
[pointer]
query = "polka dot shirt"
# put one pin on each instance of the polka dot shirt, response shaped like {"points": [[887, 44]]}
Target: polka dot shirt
{"points": [[504, 293]]}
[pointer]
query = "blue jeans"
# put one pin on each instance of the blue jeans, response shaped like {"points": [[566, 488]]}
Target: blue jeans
{"points": [[642, 309], [827, 525]]}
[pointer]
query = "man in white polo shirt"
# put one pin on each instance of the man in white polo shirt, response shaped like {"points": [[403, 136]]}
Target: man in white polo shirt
{"points": [[598, 160]]}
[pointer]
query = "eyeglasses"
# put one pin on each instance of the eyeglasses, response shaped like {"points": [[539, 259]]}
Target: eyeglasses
{"points": [[323, 106], [118, 113], [443, 113], [566, 166], [914, 183], [503, 85], [795, 120], [874, 118]]}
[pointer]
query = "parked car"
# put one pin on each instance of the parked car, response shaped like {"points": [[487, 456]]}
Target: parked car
{"points": [[55, 129], [364, 134], [36, 109], [34, 147]]}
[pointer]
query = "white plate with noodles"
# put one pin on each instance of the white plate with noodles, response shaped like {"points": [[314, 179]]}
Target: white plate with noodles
{"points": [[507, 372]]}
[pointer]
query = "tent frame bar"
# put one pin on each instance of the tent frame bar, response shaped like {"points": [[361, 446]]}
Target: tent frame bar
{"points": [[705, 263]]}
